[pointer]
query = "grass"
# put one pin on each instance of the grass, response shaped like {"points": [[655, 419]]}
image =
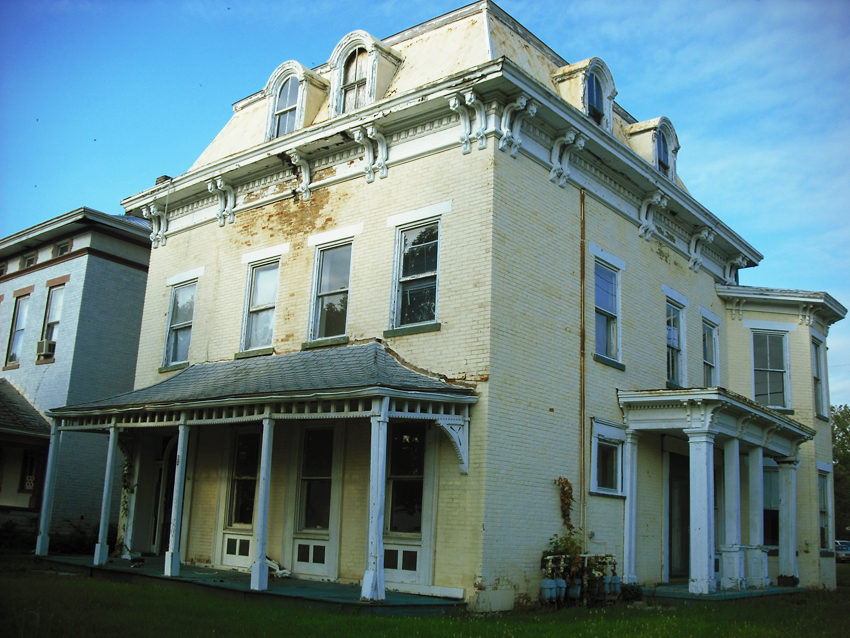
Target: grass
{"points": [[35, 603]]}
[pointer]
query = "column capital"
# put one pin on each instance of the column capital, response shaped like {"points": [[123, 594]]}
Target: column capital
{"points": [[632, 435], [699, 435], [788, 462]]}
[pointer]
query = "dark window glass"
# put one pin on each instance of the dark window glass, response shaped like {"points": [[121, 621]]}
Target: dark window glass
{"points": [[405, 471], [332, 295], [316, 470], [354, 81], [418, 283], [246, 460], [606, 466], [287, 100], [594, 98], [661, 153], [769, 369]]}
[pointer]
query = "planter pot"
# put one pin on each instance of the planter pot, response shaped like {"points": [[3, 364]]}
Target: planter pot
{"points": [[574, 592]]}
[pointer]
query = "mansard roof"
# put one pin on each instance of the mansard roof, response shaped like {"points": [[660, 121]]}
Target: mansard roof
{"points": [[18, 415], [308, 373]]}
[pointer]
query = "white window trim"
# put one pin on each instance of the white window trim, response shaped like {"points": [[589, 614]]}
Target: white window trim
{"points": [[769, 326], [333, 240], [679, 301], [715, 328], [598, 67], [337, 235], [420, 214], [190, 282], [249, 280], [304, 77], [397, 269], [610, 433], [830, 510], [817, 337], [265, 253], [184, 277], [375, 49], [710, 317], [611, 260], [618, 265], [786, 353]]}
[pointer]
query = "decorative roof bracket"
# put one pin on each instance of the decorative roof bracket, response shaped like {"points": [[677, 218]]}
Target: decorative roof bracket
{"points": [[226, 199], [159, 223], [360, 136], [512, 118], [562, 149], [381, 161], [654, 201], [700, 236], [458, 434], [301, 162], [730, 271], [473, 102], [457, 105]]}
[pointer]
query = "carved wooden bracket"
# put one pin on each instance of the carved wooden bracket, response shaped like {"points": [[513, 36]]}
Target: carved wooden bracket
{"points": [[300, 161], [159, 223], [654, 201], [730, 272], [562, 149], [360, 136], [458, 105], [477, 105], [461, 103], [808, 313], [458, 434], [700, 236], [512, 118], [226, 199], [381, 161]]}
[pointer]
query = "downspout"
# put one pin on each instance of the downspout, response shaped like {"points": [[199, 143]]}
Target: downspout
{"points": [[582, 408]]}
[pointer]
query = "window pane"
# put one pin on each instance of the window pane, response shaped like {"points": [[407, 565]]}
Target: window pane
{"points": [[184, 304], [406, 506], [179, 346], [336, 268], [760, 350], [288, 94], [775, 352], [603, 345], [606, 289], [672, 326], [407, 450], [318, 453], [420, 250], [418, 301], [315, 503], [707, 343], [286, 122], [260, 328], [355, 66], [264, 289], [776, 385], [332, 313], [247, 457], [54, 311], [22, 312], [243, 501], [606, 466]]}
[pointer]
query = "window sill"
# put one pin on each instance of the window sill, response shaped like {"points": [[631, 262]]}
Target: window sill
{"points": [[601, 358], [321, 343], [412, 330], [608, 494], [41, 362], [822, 417], [788, 411], [11, 366], [173, 367], [674, 386], [258, 352]]}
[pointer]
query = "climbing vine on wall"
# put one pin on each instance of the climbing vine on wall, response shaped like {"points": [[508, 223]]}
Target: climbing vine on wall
{"points": [[567, 501]]}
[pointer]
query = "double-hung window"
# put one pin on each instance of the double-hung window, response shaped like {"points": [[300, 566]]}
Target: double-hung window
{"points": [[674, 345], [606, 297], [405, 474], [332, 282], [823, 509], [262, 297], [416, 288], [53, 314], [769, 369], [607, 457], [709, 355], [354, 80], [662, 153], [243, 479], [817, 377], [19, 322], [286, 106], [314, 509], [180, 318], [771, 506]]}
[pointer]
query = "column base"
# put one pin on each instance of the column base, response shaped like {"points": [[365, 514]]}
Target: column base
{"points": [[172, 563], [702, 586], [101, 553], [259, 575], [630, 579], [41, 545], [732, 568], [372, 589], [757, 577]]}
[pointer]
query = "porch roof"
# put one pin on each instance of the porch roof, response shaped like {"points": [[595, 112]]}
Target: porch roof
{"points": [[18, 415], [305, 373]]}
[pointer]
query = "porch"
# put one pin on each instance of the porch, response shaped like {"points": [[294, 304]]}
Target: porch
{"points": [[292, 592], [679, 594]]}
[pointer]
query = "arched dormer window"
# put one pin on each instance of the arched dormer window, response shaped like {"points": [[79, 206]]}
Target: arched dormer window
{"points": [[361, 71], [293, 94], [589, 87], [656, 142]]}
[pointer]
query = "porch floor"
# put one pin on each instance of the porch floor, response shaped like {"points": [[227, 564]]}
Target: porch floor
{"points": [[292, 592], [678, 594]]}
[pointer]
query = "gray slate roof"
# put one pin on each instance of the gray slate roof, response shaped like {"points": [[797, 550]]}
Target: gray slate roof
{"points": [[16, 413], [334, 369]]}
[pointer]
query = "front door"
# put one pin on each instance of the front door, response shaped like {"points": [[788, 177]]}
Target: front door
{"points": [[680, 515], [237, 546]]}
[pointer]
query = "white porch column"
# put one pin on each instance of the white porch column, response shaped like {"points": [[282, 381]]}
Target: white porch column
{"points": [[788, 517], [43, 540], [733, 554], [101, 550], [260, 569], [373, 578], [756, 554], [701, 448], [630, 461], [172, 556]]}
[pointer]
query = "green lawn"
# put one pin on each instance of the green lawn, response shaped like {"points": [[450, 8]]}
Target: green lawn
{"points": [[34, 603]]}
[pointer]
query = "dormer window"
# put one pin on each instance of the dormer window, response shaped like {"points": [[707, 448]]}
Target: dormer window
{"points": [[662, 157], [285, 111], [354, 81], [594, 99]]}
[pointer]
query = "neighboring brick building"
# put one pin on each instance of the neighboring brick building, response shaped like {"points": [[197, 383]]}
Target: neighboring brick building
{"points": [[71, 296], [402, 292]]}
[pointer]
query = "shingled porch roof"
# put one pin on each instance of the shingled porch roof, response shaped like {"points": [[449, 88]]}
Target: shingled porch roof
{"points": [[302, 374]]}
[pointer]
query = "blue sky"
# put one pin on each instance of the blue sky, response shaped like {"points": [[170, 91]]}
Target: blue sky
{"points": [[101, 97]]}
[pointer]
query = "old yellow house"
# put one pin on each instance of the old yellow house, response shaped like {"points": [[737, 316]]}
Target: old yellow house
{"points": [[400, 293]]}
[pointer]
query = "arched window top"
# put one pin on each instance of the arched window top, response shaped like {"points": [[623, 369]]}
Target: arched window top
{"points": [[361, 70], [589, 86], [595, 102], [656, 141], [288, 95], [662, 157]]}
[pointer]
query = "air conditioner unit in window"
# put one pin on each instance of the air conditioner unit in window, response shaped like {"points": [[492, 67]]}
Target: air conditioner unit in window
{"points": [[45, 348]]}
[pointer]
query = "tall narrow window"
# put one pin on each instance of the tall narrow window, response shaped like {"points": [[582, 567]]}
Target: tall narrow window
{"points": [[595, 107], [243, 482], [662, 153], [334, 269], [53, 314], [606, 311], [354, 80], [316, 474], [417, 284], [180, 323], [709, 355], [771, 507], [817, 376], [19, 322], [823, 509], [405, 473], [262, 296], [769, 369], [285, 109], [674, 348]]}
